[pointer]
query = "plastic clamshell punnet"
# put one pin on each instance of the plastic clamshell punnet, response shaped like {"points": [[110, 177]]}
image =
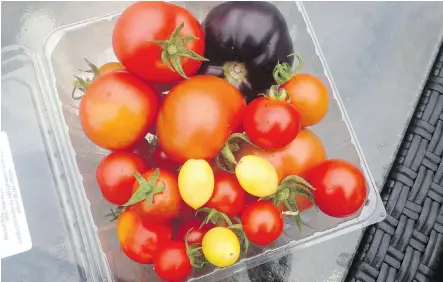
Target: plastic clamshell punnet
{"points": [[72, 240]]}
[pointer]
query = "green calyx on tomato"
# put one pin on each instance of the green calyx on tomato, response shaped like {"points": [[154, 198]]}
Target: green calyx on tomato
{"points": [[283, 71], [83, 84], [147, 189], [174, 49], [194, 253], [288, 189]]}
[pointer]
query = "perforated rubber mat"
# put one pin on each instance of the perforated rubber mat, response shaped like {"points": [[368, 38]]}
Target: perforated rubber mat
{"points": [[408, 245]]}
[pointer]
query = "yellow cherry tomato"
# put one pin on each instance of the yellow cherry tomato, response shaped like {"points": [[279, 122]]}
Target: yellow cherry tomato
{"points": [[196, 182], [257, 176], [221, 246]]}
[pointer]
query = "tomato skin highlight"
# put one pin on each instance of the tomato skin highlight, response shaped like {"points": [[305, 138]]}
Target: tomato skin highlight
{"points": [[166, 205], [262, 222], [197, 117], [340, 188], [310, 96], [196, 232], [140, 241], [115, 175], [228, 196], [270, 123], [172, 263], [145, 21], [117, 110]]}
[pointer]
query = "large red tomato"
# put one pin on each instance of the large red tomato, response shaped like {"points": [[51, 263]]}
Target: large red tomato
{"points": [[165, 204], [117, 110], [197, 117], [340, 187], [136, 43], [115, 175], [140, 241]]}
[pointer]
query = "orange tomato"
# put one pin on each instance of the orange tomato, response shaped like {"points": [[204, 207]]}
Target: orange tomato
{"points": [[110, 67]]}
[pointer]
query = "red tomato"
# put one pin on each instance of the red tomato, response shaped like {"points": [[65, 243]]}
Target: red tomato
{"points": [[117, 110], [196, 234], [144, 22], [140, 241], [340, 188], [161, 160], [166, 204], [262, 222], [197, 117], [228, 196], [271, 123], [186, 212], [172, 263], [115, 175], [310, 96]]}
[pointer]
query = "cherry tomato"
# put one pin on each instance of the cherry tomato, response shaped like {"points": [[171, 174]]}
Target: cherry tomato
{"points": [[161, 160], [228, 196], [262, 222], [197, 117], [140, 241], [110, 67], [166, 204], [221, 247], [340, 187], [271, 123], [172, 263], [115, 175], [310, 96], [196, 234], [117, 110], [143, 23]]}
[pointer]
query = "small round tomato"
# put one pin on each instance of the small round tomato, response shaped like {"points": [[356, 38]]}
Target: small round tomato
{"points": [[196, 182], [140, 29], [161, 160], [193, 231], [262, 222], [154, 205], [110, 67], [221, 247], [228, 196], [340, 187], [310, 96], [197, 117], [257, 176], [271, 123], [140, 241], [115, 175], [172, 263], [117, 110]]}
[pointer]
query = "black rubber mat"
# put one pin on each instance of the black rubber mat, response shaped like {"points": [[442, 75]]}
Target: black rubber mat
{"points": [[408, 245]]}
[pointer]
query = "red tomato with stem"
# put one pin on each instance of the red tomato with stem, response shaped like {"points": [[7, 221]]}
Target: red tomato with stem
{"points": [[271, 123], [340, 188], [172, 263], [158, 41], [262, 222], [228, 196], [117, 110], [140, 241], [193, 231], [156, 196], [115, 175]]}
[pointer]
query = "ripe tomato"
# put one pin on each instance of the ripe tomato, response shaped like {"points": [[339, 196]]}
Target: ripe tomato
{"points": [[140, 241], [117, 110], [303, 153], [115, 175], [196, 182], [110, 67], [197, 117], [196, 234], [221, 247], [165, 204], [310, 96], [172, 263], [257, 176], [340, 187], [228, 196], [271, 123], [143, 23], [161, 160]]}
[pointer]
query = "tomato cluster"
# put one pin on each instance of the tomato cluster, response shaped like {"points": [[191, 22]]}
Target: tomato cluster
{"points": [[246, 165]]}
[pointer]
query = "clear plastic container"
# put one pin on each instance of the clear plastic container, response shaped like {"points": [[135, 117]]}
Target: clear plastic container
{"points": [[55, 163]]}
